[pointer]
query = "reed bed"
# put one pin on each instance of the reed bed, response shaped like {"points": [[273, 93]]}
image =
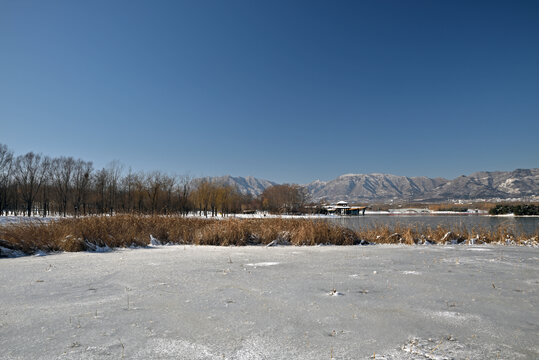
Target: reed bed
{"points": [[93, 233]]}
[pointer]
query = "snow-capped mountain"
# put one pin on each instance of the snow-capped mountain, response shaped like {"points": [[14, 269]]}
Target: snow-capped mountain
{"points": [[367, 187], [520, 183], [382, 187], [485, 184]]}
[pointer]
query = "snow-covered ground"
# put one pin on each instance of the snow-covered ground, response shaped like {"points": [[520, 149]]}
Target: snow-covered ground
{"points": [[189, 302], [17, 219]]}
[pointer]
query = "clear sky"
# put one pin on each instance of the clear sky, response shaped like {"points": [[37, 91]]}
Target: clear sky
{"points": [[290, 91]]}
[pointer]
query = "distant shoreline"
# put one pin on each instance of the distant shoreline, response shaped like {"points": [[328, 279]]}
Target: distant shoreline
{"points": [[280, 216]]}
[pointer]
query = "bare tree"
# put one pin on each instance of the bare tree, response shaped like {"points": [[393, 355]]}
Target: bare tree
{"points": [[202, 196], [141, 192], [100, 193], [6, 170], [284, 198], [30, 173], [45, 193], [169, 183], [81, 182], [154, 183], [62, 170], [183, 190], [114, 170]]}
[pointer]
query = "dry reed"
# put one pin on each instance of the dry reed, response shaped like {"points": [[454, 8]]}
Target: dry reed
{"points": [[89, 233]]}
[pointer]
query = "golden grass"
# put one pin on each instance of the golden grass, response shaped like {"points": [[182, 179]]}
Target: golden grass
{"points": [[86, 233]]}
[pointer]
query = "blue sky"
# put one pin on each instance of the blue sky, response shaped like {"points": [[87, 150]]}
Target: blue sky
{"points": [[290, 91]]}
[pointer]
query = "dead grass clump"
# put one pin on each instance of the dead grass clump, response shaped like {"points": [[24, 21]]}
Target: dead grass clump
{"points": [[269, 233], [72, 244], [106, 231], [436, 235], [183, 230], [280, 230], [322, 232], [311, 234], [30, 237], [224, 233], [265, 231], [410, 237]]}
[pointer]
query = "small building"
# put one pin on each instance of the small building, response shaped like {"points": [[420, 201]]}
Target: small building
{"points": [[343, 208]]}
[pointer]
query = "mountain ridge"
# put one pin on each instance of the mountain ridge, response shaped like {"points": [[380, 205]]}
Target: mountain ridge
{"points": [[519, 183], [248, 185]]}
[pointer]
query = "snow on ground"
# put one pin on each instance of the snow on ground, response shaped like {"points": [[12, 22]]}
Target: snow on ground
{"points": [[18, 219], [194, 302]]}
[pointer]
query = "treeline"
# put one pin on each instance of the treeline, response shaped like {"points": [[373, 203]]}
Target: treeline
{"points": [[34, 184], [521, 209]]}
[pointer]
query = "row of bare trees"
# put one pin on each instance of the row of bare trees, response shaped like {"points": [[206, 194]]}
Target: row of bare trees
{"points": [[34, 184]]}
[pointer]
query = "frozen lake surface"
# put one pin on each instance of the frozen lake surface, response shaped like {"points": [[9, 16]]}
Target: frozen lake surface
{"points": [[176, 302]]}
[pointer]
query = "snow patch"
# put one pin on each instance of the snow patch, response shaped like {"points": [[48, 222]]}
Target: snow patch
{"points": [[478, 249], [103, 249], [268, 263], [154, 241], [454, 317], [411, 272], [254, 348], [96, 248], [335, 293], [170, 349]]}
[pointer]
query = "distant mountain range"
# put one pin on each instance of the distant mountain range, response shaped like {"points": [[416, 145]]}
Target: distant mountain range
{"points": [[246, 185], [383, 187], [369, 187], [520, 183]]}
